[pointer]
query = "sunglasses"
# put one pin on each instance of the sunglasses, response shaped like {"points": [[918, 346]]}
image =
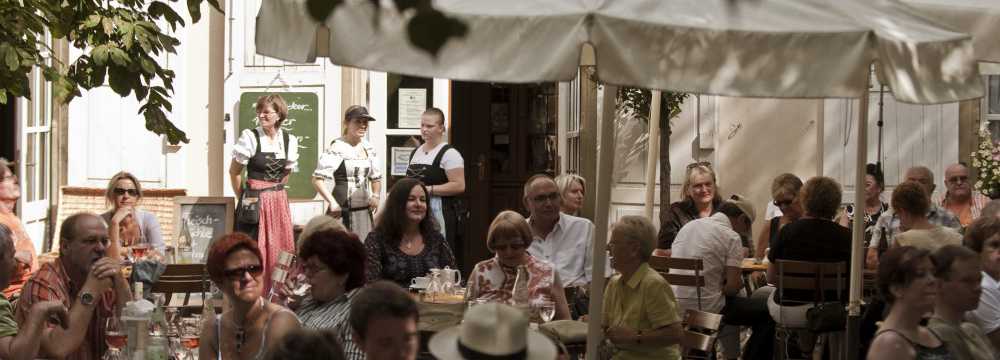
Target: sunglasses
{"points": [[546, 197], [783, 202], [130, 192], [700, 163], [237, 273], [958, 179]]}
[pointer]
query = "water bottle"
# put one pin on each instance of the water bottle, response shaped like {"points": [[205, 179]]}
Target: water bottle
{"points": [[137, 316]]}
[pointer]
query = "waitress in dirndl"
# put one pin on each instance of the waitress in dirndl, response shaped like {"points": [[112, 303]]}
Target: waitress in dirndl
{"points": [[268, 154], [441, 168]]}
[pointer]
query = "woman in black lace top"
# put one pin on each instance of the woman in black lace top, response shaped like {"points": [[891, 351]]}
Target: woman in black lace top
{"points": [[405, 242]]}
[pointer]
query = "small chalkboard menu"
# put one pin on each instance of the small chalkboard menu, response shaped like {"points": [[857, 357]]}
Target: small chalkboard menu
{"points": [[199, 221]]}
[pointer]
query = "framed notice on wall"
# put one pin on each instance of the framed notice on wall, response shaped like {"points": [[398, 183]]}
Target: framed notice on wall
{"points": [[200, 220], [400, 160], [412, 103], [303, 123]]}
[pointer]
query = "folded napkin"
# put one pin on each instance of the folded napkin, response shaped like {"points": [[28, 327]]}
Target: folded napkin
{"points": [[148, 273]]}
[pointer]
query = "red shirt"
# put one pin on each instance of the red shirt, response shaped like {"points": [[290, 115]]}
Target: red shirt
{"points": [[21, 243], [51, 282]]}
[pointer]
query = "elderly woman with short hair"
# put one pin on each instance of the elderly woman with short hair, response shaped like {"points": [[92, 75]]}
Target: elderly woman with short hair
{"points": [[334, 264], [640, 311], [509, 237], [911, 204]]}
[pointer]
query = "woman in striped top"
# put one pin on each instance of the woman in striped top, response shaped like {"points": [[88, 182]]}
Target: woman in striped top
{"points": [[334, 264]]}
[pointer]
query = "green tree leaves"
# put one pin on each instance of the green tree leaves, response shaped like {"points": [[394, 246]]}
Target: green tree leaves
{"points": [[124, 48]]}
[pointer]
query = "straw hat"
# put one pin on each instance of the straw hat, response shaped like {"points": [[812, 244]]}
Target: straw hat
{"points": [[492, 331]]}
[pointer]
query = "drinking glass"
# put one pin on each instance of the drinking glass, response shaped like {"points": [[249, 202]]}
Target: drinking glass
{"points": [[546, 310], [139, 251], [116, 338]]}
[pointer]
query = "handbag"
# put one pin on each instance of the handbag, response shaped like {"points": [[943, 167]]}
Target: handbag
{"points": [[826, 317], [248, 211]]}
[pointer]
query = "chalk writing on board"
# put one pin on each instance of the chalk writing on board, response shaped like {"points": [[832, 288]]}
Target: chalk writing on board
{"points": [[200, 224]]}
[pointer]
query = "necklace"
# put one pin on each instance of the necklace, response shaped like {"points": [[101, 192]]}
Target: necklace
{"points": [[241, 332]]}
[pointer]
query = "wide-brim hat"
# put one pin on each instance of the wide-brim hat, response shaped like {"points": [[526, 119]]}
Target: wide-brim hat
{"points": [[358, 112], [492, 331]]}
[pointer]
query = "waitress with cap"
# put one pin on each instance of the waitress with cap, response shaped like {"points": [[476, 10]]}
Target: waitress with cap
{"points": [[441, 168], [357, 181]]}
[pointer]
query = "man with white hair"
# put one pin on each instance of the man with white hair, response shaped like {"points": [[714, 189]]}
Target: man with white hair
{"points": [[960, 199], [716, 241]]}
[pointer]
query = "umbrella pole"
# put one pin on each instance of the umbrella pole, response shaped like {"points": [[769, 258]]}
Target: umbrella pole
{"points": [[605, 167], [858, 233], [653, 155]]}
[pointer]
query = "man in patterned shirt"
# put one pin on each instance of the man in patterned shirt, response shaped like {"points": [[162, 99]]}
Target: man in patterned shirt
{"points": [[82, 279], [887, 226]]}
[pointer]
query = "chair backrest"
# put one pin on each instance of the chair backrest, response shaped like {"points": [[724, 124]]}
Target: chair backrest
{"points": [[817, 277], [663, 265], [696, 341], [183, 278], [702, 321]]}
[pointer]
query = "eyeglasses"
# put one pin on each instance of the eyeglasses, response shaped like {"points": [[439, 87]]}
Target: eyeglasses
{"points": [[505, 247], [552, 196], [783, 203], [130, 192], [266, 113], [958, 179], [700, 163], [5, 177], [237, 273]]}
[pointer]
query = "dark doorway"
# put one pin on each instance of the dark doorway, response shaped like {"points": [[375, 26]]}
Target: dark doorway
{"points": [[8, 130], [506, 133]]}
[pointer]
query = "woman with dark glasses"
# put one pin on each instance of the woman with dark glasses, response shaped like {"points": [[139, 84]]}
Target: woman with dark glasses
{"points": [[785, 192], [128, 225], [493, 279], [701, 198], [252, 325]]}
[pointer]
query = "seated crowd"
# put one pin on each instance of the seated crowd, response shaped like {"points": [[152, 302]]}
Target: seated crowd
{"points": [[936, 264]]}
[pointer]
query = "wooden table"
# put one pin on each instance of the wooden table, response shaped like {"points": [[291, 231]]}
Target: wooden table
{"points": [[750, 266]]}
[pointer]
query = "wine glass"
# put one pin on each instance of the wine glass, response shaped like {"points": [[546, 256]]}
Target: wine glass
{"points": [[139, 251], [190, 337], [116, 337]]}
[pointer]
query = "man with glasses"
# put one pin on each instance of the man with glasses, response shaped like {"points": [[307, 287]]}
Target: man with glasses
{"points": [[960, 199], [85, 281], [564, 240], [24, 249]]}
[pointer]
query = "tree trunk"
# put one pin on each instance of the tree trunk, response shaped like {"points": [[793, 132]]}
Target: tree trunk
{"points": [[664, 167]]}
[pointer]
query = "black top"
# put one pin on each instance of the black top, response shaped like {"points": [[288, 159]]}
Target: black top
{"points": [[432, 174], [265, 165], [388, 262], [814, 240], [679, 214]]}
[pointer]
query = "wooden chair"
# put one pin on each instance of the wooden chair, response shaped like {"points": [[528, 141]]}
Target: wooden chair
{"points": [[183, 278], [663, 265], [816, 277], [700, 330]]}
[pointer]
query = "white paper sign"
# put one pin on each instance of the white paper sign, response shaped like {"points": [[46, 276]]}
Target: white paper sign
{"points": [[400, 160], [412, 103]]}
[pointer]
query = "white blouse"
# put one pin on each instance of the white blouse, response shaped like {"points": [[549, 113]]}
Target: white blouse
{"points": [[246, 145]]}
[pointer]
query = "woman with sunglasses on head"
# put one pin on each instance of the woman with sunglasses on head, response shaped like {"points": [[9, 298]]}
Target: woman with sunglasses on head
{"points": [[785, 192], [128, 225], [268, 154], [334, 264], [493, 279], [701, 199], [252, 325], [405, 242]]}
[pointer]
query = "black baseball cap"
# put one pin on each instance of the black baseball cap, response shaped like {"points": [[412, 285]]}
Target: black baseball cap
{"points": [[358, 112]]}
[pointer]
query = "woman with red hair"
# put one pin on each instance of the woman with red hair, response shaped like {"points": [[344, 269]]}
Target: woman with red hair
{"points": [[252, 325]]}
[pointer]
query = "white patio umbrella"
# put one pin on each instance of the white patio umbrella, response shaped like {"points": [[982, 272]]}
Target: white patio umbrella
{"points": [[979, 18], [763, 48]]}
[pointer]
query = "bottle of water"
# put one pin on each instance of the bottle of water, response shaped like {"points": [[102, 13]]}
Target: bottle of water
{"points": [[520, 295], [137, 316]]}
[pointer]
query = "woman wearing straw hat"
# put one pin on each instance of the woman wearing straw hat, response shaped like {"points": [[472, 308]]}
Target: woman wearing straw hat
{"points": [[492, 331]]}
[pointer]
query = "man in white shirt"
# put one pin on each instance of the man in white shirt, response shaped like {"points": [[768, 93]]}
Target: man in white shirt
{"points": [[564, 240], [716, 241]]}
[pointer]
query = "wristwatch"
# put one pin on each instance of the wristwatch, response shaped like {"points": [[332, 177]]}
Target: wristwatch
{"points": [[87, 299]]}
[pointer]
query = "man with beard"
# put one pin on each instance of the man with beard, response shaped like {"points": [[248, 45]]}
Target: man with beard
{"points": [[84, 280], [24, 249], [960, 199]]}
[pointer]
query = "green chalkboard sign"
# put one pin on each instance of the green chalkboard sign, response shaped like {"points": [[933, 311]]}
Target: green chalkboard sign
{"points": [[303, 122]]}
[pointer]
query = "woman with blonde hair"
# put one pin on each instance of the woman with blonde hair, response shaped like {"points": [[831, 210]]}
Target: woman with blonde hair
{"points": [[268, 154], [127, 224], [351, 164], [701, 199], [509, 237], [573, 189]]}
